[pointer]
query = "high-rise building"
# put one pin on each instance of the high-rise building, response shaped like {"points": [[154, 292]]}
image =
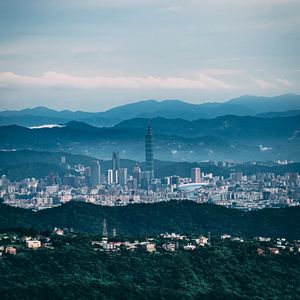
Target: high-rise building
{"points": [[196, 175], [136, 176], [110, 176], [115, 166], [115, 176], [123, 176], [95, 173], [149, 152], [115, 160]]}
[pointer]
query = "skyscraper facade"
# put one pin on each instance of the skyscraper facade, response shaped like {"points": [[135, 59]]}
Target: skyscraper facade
{"points": [[136, 176], [196, 175], [110, 176], [149, 152], [123, 176], [115, 166], [115, 160], [95, 173]]}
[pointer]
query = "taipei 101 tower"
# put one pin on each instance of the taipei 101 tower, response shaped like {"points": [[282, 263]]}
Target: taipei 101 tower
{"points": [[149, 152]]}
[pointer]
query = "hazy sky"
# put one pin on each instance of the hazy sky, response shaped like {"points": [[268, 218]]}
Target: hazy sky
{"points": [[92, 55]]}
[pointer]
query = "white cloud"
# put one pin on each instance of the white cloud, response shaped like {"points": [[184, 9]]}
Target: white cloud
{"points": [[217, 72], [174, 8], [54, 79], [265, 85], [47, 126], [264, 148], [284, 82], [92, 50]]}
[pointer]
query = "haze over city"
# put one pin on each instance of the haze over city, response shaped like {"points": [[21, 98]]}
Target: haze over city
{"points": [[149, 149], [94, 55]]}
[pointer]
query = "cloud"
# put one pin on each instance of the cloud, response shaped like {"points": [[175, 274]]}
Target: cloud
{"points": [[47, 126], [264, 148], [220, 72], [284, 82], [263, 84], [92, 50], [174, 8], [61, 80]]}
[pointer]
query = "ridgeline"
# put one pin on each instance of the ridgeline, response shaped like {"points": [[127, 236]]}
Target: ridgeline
{"points": [[185, 217]]}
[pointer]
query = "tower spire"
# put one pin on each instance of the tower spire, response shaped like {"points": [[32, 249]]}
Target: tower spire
{"points": [[104, 229]]}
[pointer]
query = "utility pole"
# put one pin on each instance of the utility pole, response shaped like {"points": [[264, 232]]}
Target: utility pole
{"points": [[104, 230], [209, 239]]}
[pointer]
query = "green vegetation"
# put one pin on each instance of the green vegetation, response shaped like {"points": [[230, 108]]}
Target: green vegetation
{"points": [[173, 216], [227, 270]]}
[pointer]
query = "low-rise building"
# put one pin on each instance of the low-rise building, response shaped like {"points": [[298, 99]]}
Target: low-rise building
{"points": [[169, 247], [189, 247], [33, 244], [150, 247], [11, 250]]}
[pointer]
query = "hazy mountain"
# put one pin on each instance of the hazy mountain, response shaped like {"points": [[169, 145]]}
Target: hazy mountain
{"points": [[100, 142], [275, 114], [30, 120], [228, 137], [231, 127], [21, 164], [42, 111], [173, 109], [266, 104]]}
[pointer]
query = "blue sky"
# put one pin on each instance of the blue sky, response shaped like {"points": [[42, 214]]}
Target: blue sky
{"points": [[93, 55]]}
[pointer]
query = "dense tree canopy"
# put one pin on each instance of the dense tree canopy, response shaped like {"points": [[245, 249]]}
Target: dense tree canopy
{"points": [[146, 219], [225, 271]]}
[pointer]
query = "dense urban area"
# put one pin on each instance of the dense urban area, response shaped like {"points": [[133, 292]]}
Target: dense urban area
{"points": [[121, 186]]}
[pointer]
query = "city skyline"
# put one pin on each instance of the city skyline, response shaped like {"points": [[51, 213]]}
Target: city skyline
{"points": [[149, 149]]}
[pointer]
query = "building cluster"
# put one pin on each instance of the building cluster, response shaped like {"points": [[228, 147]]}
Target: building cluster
{"points": [[257, 191], [11, 243], [120, 186]]}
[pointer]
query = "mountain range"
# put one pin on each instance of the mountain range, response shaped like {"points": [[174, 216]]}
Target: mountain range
{"points": [[227, 137], [284, 105]]}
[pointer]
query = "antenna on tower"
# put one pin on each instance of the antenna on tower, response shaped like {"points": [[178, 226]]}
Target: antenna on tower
{"points": [[114, 232], [104, 230]]}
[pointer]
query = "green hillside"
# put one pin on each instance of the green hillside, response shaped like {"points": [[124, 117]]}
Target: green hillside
{"points": [[145, 219]]}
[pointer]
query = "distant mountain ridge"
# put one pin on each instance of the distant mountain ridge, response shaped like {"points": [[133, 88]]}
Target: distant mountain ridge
{"points": [[173, 109], [18, 165], [226, 137]]}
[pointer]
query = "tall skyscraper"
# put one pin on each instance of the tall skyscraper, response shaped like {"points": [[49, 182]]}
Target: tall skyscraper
{"points": [[115, 160], [123, 176], [149, 152], [196, 175], [115, 166], [95, 173], [136, 176], [110, 176]]}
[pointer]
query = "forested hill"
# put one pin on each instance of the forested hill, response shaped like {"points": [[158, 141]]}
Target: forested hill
{"points": [[146, 219]]}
